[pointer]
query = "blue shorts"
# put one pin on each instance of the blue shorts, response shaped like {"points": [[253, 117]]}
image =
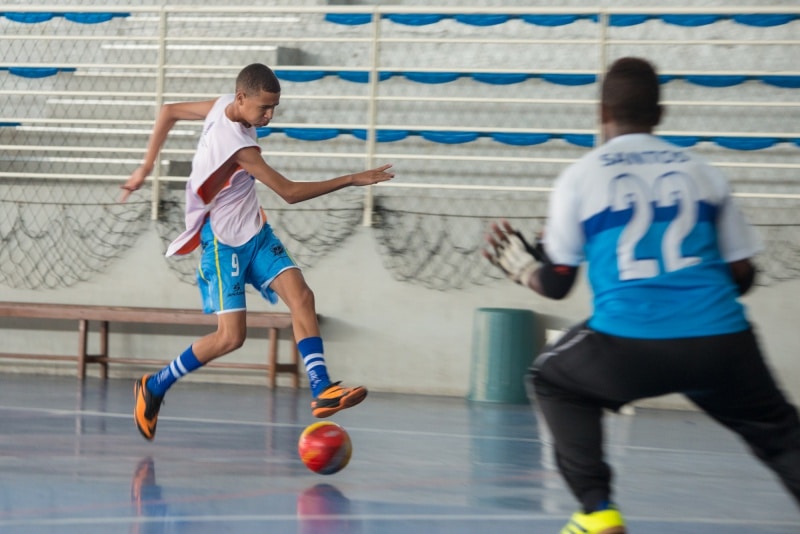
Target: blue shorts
{"points": [[224, 270]]}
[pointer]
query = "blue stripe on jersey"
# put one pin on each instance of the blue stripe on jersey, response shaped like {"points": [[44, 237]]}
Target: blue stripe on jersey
{"points": [[607, 219]]}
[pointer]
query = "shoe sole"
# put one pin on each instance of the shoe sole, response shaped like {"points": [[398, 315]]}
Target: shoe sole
{"points": [[348, 401], [137, 386], [610, 530]]}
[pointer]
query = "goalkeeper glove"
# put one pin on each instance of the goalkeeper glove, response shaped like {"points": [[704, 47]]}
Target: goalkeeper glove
{"points": [[517, 258]]}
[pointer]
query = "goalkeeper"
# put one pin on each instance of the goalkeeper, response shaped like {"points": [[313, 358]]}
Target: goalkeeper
{"points": [[668, 254]]}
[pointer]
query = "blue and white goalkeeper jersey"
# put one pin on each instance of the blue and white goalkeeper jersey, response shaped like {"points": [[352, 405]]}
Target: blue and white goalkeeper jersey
{"points": [[657, 226]]}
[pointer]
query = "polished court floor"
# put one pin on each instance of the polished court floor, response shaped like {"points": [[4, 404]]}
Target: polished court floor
{"points": [[225, 461]]}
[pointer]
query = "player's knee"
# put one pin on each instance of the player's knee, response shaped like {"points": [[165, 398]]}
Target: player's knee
{"points": [[302, 299], [231, 341]]}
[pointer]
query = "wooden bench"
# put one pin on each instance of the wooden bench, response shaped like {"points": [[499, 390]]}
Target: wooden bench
{"points": [[104, 315]]}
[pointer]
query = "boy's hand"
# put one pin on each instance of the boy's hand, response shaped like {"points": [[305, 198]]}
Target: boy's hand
{"points": [[373, 176], [134, 182]]}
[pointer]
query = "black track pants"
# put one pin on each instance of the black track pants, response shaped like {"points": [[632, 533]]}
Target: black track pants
{"points": [[725, 375]]}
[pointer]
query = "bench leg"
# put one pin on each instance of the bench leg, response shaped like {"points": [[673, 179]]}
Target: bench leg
{"points": [[272, 357], [83, 334], [296, 364], [104, 350], [275, 367]]}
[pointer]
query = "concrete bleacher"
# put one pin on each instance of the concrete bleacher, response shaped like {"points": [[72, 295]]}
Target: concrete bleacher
{"points": [[105, 84], [118, 68]]}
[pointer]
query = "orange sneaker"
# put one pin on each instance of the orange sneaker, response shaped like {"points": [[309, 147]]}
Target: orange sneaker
{"points": [[335, 398], [146, 407]]}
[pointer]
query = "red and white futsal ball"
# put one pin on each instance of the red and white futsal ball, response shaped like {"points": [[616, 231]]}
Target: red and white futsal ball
{"points": [[325, 447]]}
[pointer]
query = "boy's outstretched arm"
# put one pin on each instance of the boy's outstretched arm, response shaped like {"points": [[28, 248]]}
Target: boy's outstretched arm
{"points": [[168, 115], [292, 192]]}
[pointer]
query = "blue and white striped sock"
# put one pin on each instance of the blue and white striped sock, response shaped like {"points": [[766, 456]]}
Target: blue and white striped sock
{"points": [[159, 383], [314, 361]]}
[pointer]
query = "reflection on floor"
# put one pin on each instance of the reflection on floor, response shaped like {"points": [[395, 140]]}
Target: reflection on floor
{"points": [[225, 460]]}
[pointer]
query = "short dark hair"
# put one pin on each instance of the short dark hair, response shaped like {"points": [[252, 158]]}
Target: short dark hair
{"points": [[256, 78], [631, 92]]}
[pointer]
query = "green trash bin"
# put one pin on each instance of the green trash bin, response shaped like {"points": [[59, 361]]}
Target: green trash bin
{"points": [[504, 342]]}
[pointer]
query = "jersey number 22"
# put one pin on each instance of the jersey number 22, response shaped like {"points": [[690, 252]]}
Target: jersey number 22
{"points": [[629, 191]]}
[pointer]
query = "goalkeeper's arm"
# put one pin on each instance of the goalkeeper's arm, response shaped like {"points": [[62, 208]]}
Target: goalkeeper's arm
{"points": [[744, 274], [553, 281]]}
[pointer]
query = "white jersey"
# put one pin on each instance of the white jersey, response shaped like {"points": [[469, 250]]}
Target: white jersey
{"points": [[657, 225], [235, 214]]}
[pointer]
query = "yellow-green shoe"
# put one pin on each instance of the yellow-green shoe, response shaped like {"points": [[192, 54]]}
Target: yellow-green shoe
{"points": [[608, 521]]}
